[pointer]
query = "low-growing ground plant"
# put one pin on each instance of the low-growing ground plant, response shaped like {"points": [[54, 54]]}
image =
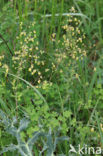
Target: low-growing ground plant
{"points": [[25, 148]]}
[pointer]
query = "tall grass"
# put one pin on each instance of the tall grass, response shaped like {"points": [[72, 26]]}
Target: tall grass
{"points": [[99, 21], [79, 94]]}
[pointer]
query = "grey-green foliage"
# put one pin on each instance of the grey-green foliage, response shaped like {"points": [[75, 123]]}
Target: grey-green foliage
{"points": [[26, 148], [50, 144]]}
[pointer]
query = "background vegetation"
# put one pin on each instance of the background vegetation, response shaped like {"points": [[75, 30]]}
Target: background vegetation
{"points": [[51, 81]]}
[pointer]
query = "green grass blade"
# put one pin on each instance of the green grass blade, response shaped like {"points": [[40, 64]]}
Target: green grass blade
{"points": [[41, 96], [93, 79], [99, 128]]}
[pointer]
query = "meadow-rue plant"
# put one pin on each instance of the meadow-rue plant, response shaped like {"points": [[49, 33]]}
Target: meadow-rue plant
{"points": [[50, 76]]}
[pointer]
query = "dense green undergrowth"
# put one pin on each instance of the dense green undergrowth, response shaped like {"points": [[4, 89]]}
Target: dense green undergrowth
{"points": [[51, 89]]}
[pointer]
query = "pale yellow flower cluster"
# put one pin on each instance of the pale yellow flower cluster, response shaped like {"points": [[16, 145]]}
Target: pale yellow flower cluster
{"points": [[46, 84], [29, 57], [5, 66], [1, 58], [73, 50]]}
